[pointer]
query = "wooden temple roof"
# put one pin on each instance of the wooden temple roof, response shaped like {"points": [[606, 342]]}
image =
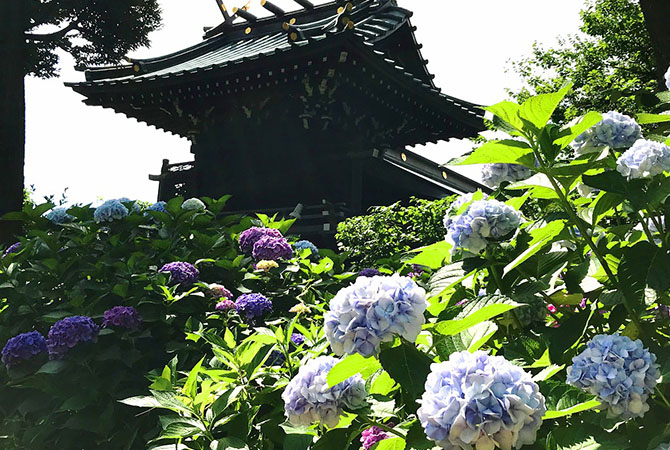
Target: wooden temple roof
{"points": [[375, 34]]}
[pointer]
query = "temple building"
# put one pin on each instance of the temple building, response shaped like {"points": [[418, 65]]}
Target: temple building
{"points": [[313, 107]]}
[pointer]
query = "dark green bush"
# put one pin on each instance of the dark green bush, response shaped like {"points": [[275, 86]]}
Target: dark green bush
{"points": [[390, 230]]}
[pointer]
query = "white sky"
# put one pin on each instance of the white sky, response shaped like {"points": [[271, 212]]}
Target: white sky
{"points": [[97, 153]]}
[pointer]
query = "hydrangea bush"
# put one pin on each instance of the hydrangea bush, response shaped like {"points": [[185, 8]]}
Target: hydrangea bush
{"points": [[534, 318]]}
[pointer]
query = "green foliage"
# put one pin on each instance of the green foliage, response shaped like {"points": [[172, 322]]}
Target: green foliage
{"points": [[389, 230], [609, 62], [94, 32]]}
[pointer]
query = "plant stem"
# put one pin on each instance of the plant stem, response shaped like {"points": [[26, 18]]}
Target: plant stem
{"points": [[665, 400], [646, 229]]}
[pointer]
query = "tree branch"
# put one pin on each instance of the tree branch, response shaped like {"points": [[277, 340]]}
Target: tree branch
{"points": [[50, 37]]}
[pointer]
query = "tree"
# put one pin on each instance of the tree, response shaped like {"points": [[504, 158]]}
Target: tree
{"points": [[613, 59], [32, 33]]}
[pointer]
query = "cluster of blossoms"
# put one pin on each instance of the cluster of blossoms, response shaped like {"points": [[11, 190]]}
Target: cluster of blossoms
{"points": [[58, 216], [620, 371], [308, 399], [110, 211], [14, 248], [249, 237], [372, 311], [226, 305], [416, 272], [614, 131], [266, 265], [481, 221], [493, 175], [272, 248], [218, 291], [253, 306], [644, 159], [452, 212], [369, 273], [277, 358], [122, 317], [23, 347], [193, 204], [158, 206], [371, 436], [481, 401], [181, 272], [306, 245], [68, 332]]}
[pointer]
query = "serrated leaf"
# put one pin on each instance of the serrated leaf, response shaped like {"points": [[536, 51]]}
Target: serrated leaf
{"points": [[538, 109], [350, 366], [141, 402], [229, 443], [570, 134], [395, 443], [508, 112], [432, 256], [408, 366], [471, 340], [505, 151], [453, 327], [445, 278], [541, 238], [645, 119]]}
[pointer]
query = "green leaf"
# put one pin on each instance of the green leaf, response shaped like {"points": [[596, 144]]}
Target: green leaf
{"points": [[645, 119], [506, 151], [190, 387], [432, 256], [446, 278], [169, 400], [141, 402], [229, 443], [350, 366], [471, 339], [538, 110], [635, 268], [508, 112], [610, 181], [53, 367], [390, 444], [408, 366], [452, 327], [563, 400], [541, 238], [585, 437], [570, 134]]}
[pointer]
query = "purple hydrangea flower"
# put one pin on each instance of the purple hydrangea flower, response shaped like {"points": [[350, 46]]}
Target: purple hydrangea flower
{"points": [[620, 371], [372, 311], [369, 273], [297, 338], [217, 291], [644, 159], [253, 306], [181, 272], [474, 400], [226, 305], [249, 237], [493, 175], [68, 332], [14, 248], [272, 248], [371, 436], [308, 399], [277, 358], [22, 348], [122, 317]]}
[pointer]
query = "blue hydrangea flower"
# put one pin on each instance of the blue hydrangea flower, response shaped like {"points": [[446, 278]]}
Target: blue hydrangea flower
{"points": [[484, 220], [22, 348], [158, 206], [308, 399], [68, 332], [493, 175], [474, 400], [369, 273], [14, 248], [58, 216], [109, 211], [253, 306], [135, 206], [645, 159], [181, 272], [122, 317], [372, 311], [306, 245], [249, 237], [620, 371], [457, 205], [272, 249], [193, 204], [614, 131]]}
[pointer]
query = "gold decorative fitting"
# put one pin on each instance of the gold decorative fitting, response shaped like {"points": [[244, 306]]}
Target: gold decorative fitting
{"points": [[294, 36], [351, 25], [285, 26], [349, 6], [404, 157], [292, 21], [444, 175], [248, 30], [340, 10], [136, 68]]}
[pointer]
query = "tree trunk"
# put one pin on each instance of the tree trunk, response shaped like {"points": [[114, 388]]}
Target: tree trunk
{"points": [[657, 18], [12, 112]]}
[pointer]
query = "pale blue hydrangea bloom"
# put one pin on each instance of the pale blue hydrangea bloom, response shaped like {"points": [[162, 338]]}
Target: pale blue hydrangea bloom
{"points": [[458, 203], [645, 159], [484, 220], [158, 206], [58, 216], [667, 78], [620, 371], [109, 211], [135, 206], [481, 401], [308, 399], [493, 175], [615, 131], [193, 204], [374, 310]]}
